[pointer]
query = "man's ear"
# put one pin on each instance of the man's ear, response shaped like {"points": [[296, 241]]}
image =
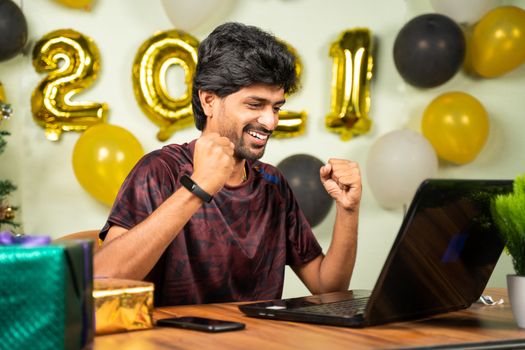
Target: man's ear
{"points": [[207, 99]]}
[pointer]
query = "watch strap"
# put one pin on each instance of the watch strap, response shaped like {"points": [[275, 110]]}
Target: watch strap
{"points": [[192, 186]]}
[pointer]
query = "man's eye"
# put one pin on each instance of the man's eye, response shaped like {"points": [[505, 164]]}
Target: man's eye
{"points": [[276, 109], [254, 105]]}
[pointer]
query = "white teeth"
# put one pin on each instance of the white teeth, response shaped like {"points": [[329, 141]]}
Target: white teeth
{"points": [[257, 135]]}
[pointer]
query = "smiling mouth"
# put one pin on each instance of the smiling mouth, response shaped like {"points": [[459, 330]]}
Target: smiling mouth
{"points": [[258, 135]]}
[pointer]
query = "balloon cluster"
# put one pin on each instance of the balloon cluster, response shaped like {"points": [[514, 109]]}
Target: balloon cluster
{"points": [[431, 48], [428, 51]]}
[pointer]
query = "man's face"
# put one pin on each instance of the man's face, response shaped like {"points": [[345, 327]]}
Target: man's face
{"points": [[248, 118]]}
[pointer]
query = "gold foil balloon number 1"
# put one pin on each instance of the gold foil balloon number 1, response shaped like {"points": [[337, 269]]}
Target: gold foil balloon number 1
{"points": [[72, 61], [152, 61], [351, 75]]}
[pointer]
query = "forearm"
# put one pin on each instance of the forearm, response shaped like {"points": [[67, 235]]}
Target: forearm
{"points": [[134, 253], [337, 266]]}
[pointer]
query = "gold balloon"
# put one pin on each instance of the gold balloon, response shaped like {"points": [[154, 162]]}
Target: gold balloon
{"points": [[351, 75], [72, 62], [77, 4], [153, 58], [102, 158], [498, 42], [2, 93], [291, 123], [457, 126]]}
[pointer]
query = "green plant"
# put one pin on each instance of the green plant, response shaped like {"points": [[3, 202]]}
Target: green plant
{"points": [[508, 211]]}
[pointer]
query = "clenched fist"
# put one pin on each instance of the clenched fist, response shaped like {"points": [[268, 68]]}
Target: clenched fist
{"points": [[212, 162], [342, 180]]}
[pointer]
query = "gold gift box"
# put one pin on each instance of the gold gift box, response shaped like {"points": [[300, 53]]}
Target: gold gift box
{"points": [[122, 305]]}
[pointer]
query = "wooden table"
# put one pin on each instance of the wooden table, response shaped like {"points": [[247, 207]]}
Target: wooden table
{"points": [[487, 326]]}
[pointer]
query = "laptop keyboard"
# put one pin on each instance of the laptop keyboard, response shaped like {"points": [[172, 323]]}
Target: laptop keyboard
{"points": [[339, 308]]}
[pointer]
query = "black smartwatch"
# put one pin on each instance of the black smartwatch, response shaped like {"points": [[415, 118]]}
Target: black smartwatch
{"points": [[191, 186]]}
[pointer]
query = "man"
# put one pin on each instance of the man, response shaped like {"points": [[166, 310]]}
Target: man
{"points": [[206, 221]]}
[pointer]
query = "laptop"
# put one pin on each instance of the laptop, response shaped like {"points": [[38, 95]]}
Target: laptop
{"points": [[441, 260]]}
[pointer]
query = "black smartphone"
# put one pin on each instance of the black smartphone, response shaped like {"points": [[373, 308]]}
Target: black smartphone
{"points": [[201, 324]]}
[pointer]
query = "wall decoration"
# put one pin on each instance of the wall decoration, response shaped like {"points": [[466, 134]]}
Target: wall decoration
{"points": [[71, 61], [13, 30], [397, 163], [429, 50], [351, 75], [102, 158], [153, 58], [498, 42], [457, 126], [302, 173]]}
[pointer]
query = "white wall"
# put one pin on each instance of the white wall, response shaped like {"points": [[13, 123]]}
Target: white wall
{"points": [[52, 202]]}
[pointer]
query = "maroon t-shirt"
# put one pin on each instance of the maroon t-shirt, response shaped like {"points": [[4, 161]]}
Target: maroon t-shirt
{"points": [[233, 248]]}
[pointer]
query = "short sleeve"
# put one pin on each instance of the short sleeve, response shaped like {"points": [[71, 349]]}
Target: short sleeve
{"points": [[146, 187]]}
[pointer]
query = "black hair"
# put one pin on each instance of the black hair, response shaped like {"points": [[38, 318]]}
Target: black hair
{"points": [[235, 56]]}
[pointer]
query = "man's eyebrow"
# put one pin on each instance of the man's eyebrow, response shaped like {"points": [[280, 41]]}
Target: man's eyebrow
{"points": [[265, 100]]}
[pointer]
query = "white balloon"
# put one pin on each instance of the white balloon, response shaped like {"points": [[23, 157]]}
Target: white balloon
{"points": [[397, 164], [464, 11], [189, 15]]}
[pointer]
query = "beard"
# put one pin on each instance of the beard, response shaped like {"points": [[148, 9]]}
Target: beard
{"points": [[241, 150]]}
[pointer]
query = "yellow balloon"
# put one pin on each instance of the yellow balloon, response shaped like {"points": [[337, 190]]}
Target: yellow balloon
{"points": [[72, 61], [102, 158], [351, 75], [498, 42], [77, 4], [291, 123], [152, 61], [457, 126]]}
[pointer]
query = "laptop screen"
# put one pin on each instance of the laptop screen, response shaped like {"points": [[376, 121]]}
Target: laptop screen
{"points": [[444, 252]]}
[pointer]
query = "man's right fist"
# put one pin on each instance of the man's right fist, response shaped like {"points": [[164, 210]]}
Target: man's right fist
{"points": [[212, 162]]}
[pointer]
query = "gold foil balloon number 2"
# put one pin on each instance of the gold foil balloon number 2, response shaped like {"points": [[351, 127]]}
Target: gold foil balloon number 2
{"points": [[72, 62]]}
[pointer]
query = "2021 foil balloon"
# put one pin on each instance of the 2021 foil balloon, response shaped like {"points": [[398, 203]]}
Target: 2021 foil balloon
{"points": [[72, 62], [102, 158], [152, 61], [498, 42], [351, 75], [457, 126]]}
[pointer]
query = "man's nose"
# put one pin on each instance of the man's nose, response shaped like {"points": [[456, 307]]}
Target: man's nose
{"points": [[269, 118]]}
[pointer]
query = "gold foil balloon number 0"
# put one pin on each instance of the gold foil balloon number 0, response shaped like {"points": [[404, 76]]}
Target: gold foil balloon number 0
{"points": [[72, 62], [150, 68], [351, 75], [152, 61]]}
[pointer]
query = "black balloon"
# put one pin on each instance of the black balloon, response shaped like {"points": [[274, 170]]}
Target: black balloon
{"points": [[13, 30], [302, 173], [429, 50]]}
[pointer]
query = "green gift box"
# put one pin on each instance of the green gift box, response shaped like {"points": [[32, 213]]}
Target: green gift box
{"points": [[46, 297]]}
